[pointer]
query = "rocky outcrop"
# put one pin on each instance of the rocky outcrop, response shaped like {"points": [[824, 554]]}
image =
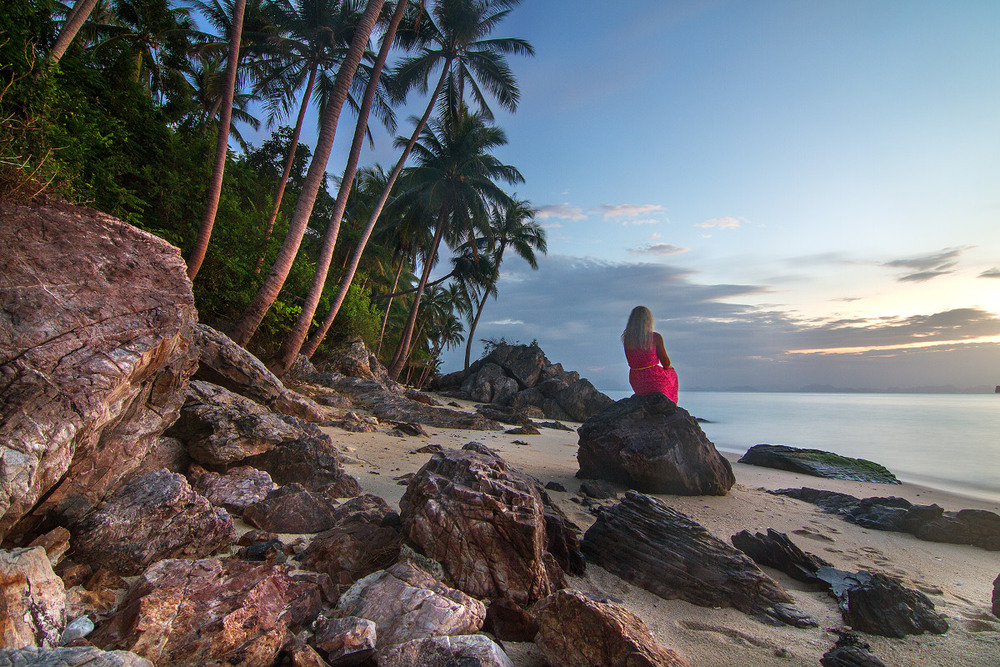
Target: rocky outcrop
{"points": [[656, 547], [817, 463], [32, 600], [96, 325], [210, 612], [405, 603], [153, 516], [649, 444], [486, 524], [292, 509], [850, 651], [471, 650], [311, 460], [775, 550], [75, 656], [345, 641], [234, 491], [520, 376], [577, 631]]}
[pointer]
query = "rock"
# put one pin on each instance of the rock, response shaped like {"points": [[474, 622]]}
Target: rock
{"points": [[165, 452], [504, 415], [508, 621], [210, 612], [656, 547], [311, 460], [292, 509], [55, 542], [96, 322], [303, 655], [577, 631], [223, 362], [996, 597], [32, 600], [234, 491], [523, 430], [850, 651], [649, 444], [490, 385], [818, 463], [485, 523], [480, 448], [153, 516], [454, 651], [76, 656], [345, 641], [555, 486], [878, 604], [79, 628], [523, 363], [598, 488], [777, 551], [407, 603], [978, 527]]}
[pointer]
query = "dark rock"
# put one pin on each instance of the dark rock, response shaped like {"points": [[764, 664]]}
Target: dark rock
{"points": [[850, 651], [649, 444], [555, 486], [524, 363], [234, 491], [599, 489], [556, 426], [491, 385], [96, 326], [210, 612], [577, 631], [270, 551], [653, 546], [504, 415], [485, 523], [165, 452], [817, 463], [777, 551], [978, 527], [292, 509], [523, 430], [410, 429], [70, 656], [508, 621], [311, 460], [153, 516], [996, 597], [566, 397], [480, 448], [345, 641], [420, 397], [451, 651], [428, 449]]}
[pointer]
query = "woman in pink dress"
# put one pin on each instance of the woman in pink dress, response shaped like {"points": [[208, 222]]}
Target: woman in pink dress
{"points": [[645, 353]]}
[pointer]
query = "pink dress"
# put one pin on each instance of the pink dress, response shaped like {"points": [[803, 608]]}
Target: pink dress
{"points": [[647, 376]]}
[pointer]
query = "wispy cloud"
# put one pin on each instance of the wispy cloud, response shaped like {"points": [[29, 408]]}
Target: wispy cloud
{"points": [[926, 267], [659, 249], [720, 223], [991, 273], [636, 214], [564, 211]]}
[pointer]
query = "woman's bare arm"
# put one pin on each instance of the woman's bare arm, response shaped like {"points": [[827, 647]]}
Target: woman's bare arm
{"points": [[661, 351]]}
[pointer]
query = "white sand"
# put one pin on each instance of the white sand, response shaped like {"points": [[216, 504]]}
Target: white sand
{"points": [[957, 578]]}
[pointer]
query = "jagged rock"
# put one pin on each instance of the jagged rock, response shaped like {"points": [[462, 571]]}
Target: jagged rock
{"points": [[508, 621], [485, 523], [818, 463], [996, 597], [210, 612], [311, 460], [471, 650], [420, 397], [32, 600], [165, 452], [649, 444], [357, 361], [345, 641], [978, 527], [555, 486], [223, 362], [656, 547], [234, 491], [75, 656], [524, 363], [878, 604], [566, 397], [577, 631], [480, 448], [55, 542], [598, 488], [504, 415], [850, 651], [407, 603], [523, 430], [304, 655], [777, 551], [292, 509], [490, 385], [153, 516], [96, 321]]}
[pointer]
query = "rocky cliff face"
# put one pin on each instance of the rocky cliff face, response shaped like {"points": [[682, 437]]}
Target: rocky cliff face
{"points": [[96, 324]]}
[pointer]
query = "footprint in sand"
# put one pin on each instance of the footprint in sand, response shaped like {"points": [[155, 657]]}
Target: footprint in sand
{"points": [[736, 636]]}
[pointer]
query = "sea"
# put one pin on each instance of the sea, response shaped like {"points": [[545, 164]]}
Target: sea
{"points": [[944, 441]]}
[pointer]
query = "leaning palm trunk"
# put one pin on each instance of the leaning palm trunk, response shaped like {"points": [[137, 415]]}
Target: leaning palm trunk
{"points": [[268, 292], [297, 336], [472, 327], [345, 284], [287, 171], [74, 21], [388, 307], [222, 145]]}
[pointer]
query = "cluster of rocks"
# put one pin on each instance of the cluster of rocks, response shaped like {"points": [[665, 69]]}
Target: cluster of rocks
{"points": [[932, 523], [520, 377]]}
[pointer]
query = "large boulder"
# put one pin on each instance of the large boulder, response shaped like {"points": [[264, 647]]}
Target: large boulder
{"points": [[234, 491], [96, 325], [70, 656], [292, 509], [650, 444], [32, 600], [450, 651], [485, 522], [818, 463], [491, 385]]}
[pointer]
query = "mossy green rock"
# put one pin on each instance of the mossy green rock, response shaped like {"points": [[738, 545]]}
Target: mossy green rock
{"points": [[818, 463]]}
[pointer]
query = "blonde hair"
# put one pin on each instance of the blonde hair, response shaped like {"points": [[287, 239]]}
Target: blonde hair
{"points": [[638, 334]]}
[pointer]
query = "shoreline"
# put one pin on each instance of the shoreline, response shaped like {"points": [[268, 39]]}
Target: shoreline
{"points": [[957, 578]]}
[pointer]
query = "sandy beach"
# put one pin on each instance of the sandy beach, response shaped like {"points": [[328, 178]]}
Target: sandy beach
{"points": [[957, 578]]}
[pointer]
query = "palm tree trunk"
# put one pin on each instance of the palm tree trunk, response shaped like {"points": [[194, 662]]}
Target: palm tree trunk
{"points": [[399, 360], [297, 336], [385, 319], [472, 327], [74, 21], [268, 292], [222, 145], [289, 161], [345, 283]]}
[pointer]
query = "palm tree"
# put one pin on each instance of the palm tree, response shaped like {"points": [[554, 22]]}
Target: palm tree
{"points": [[456, 179], [74, 21], [268, 292], [455, 41], [206, 81], [513, 226]]}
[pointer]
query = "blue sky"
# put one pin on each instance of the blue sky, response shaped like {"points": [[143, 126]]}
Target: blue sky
{"points": [[803, 192]]}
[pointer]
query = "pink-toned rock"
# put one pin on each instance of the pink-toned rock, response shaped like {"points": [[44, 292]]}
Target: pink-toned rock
{"points": [[407, 603], [210, 612], [70, 656], [152, 517], [478, 650], [96, 323], [577, 631], [485, 523], [292, 509], [303, 655], [32, 600], [165, 452], [234, 491], [345, 641], [311, 460], [55, 542]]}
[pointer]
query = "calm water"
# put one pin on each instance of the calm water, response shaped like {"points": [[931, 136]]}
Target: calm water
{"points": [[947, 441]]}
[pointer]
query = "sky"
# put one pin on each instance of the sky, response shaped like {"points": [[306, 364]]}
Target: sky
{"points": [[804, 193]]}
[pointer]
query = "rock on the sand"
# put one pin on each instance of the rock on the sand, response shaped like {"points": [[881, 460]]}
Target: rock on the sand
{"points": [[32, 600], [818, 463]]}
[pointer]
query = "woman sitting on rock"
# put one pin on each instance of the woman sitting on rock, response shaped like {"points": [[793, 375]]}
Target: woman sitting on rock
{"points": [[645, 353]]}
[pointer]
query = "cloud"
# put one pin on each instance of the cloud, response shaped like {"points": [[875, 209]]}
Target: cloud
{"points": [[629, 212], [991, 273], [660, 249], [563, 210], [720, 223], [927, 267]]}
